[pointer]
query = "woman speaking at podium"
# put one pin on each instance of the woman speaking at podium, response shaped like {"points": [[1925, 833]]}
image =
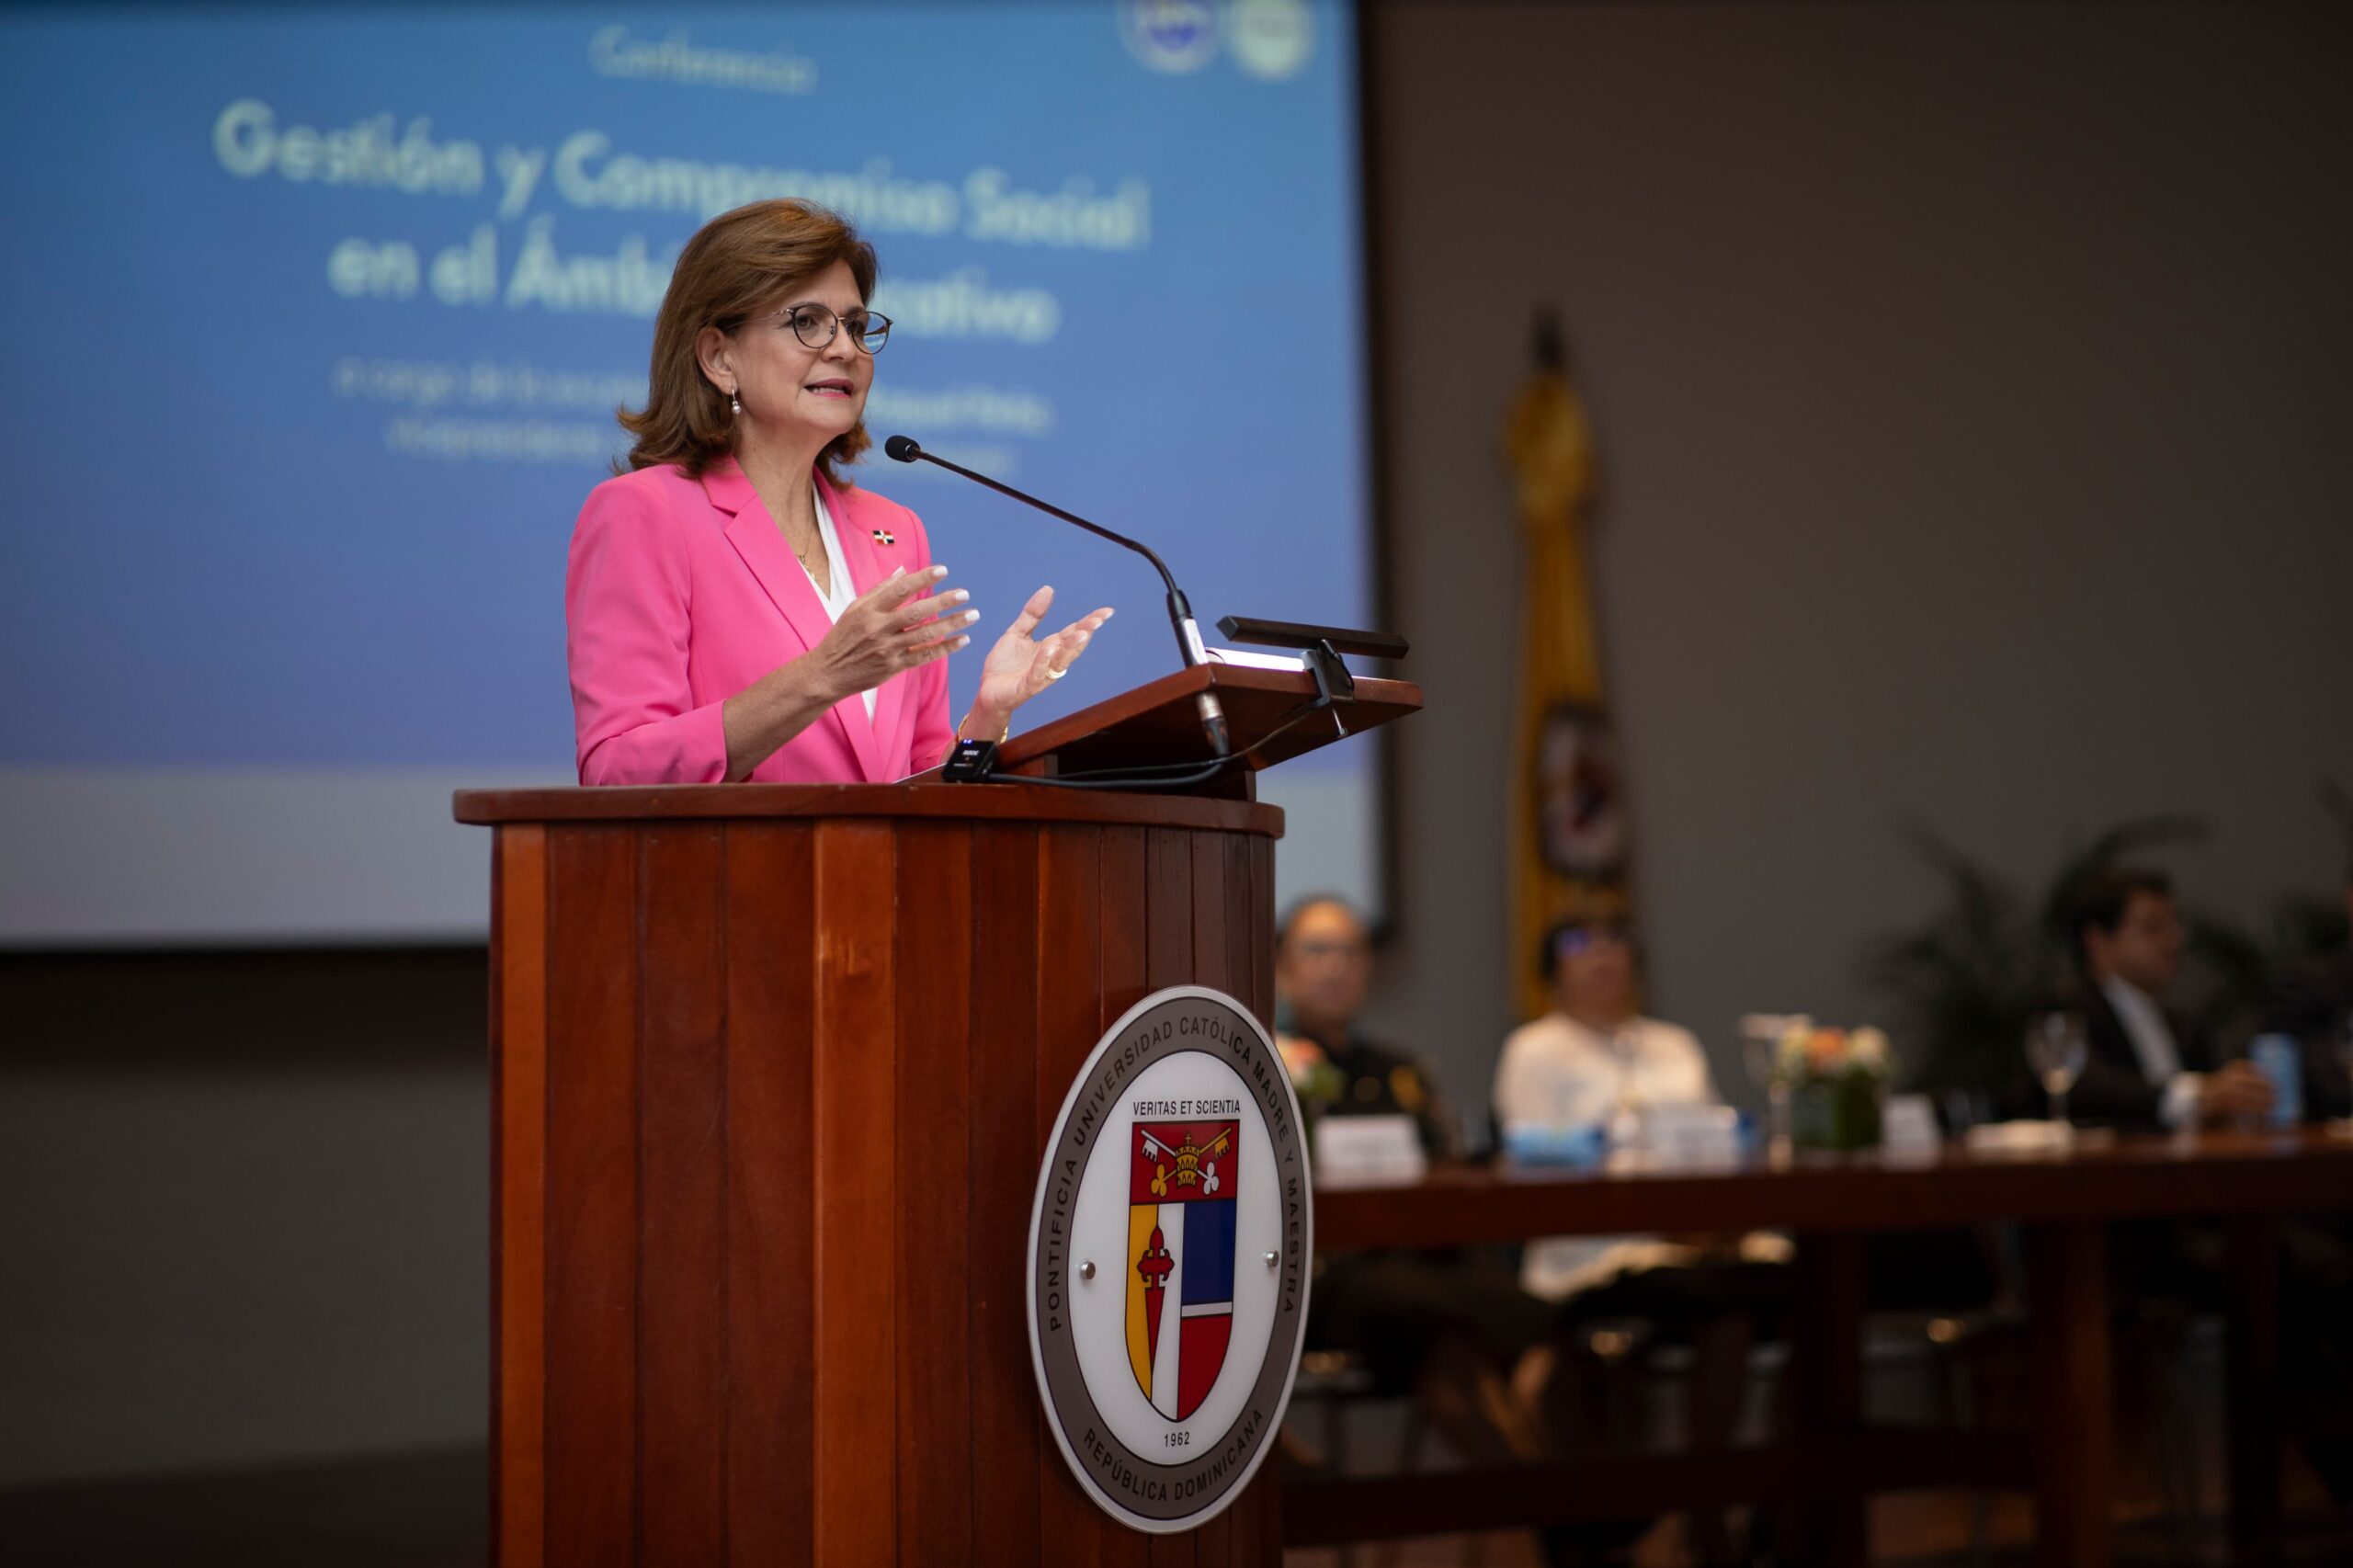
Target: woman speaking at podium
{"points": [[735, 608]]}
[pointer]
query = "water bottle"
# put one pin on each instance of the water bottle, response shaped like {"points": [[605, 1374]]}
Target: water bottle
{"points": [[2279, 1058]]}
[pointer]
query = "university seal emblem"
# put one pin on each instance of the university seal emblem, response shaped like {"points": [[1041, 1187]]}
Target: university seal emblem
{"points": [[1168, 1260]]}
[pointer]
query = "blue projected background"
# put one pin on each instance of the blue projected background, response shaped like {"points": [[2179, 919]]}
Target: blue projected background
{"points": [[317, 320]]}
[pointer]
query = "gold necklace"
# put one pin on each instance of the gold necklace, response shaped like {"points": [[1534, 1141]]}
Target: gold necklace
{"points": [[823, 580], [799, 554]]}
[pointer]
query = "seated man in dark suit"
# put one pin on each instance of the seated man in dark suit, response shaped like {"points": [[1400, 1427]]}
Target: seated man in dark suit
{"points": [[2146, 1069]]}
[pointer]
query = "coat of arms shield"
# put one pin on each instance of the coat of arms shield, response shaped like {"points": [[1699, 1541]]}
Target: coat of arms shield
{"points": [[1183, 1181]]}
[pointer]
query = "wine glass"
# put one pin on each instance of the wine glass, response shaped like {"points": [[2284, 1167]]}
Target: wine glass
{"points": [[1760, 1042], [2056, 1050]]}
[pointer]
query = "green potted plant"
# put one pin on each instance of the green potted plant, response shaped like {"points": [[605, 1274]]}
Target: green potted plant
{"points": [[1836, 1082]]}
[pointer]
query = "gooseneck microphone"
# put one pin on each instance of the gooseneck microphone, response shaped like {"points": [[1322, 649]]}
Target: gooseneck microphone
{"points": [[905, 449]]}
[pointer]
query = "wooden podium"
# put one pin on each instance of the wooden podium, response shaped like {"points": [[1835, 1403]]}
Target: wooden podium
{"points": [[773, 1066]]}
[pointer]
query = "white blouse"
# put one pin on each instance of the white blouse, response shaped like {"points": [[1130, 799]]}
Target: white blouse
{"points": [[843, 592]]}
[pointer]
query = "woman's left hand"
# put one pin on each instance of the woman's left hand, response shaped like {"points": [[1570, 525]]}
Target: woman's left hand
{"points": [[1020, 666]]}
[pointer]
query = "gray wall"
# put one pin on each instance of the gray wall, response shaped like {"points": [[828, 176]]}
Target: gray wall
{"points": [[1969, 380], [246, 1211], [1970, 386]]}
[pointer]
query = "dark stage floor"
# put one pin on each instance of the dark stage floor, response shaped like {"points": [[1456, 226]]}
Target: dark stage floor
{"points": [[431, 1511]]}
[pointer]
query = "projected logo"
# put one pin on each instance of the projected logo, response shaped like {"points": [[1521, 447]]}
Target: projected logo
{"points": [[1271, 39], [1175, 36]]}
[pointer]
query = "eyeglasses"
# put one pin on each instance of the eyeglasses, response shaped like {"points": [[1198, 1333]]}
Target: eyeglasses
{"points": [[1579, 939], [817, 324], [1312, 947]]}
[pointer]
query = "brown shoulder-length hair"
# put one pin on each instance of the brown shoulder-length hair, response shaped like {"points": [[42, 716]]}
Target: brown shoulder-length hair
{"points": [[738, 264]]}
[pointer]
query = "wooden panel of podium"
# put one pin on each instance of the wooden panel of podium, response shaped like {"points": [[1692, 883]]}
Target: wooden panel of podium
{"points": [[773, 1068]]}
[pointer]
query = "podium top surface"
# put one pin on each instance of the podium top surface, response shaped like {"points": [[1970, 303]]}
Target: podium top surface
{"points": [[968, 803], [1156, 722]]}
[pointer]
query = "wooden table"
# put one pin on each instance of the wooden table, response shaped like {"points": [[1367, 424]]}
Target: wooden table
{"points": [[2063, 1201]]}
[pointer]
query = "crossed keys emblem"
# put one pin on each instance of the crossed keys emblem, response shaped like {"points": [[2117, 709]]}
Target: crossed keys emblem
{"points": [[1193, 1166]]}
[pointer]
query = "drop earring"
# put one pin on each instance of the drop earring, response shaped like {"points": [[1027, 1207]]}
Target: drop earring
{"points": [[734, 405]]}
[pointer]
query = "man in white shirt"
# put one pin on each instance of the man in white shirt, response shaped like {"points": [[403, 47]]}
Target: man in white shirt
{"points": [[2146, 1069], [1595, 1059]]}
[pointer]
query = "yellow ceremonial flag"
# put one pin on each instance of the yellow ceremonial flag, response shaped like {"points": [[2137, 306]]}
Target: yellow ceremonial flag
{"points": [[1568, 811]]}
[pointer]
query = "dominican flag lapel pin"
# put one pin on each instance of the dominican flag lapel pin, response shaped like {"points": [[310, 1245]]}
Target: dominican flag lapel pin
{"points": [[884, 536]]}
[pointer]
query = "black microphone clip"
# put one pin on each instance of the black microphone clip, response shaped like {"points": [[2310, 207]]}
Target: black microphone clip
{"points": [[969, 762]]}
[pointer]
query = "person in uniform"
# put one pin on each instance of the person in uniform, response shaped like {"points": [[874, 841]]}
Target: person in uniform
{"points": [[1447, 1325]]}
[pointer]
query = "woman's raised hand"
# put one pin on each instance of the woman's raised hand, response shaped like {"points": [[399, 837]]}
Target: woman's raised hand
{"points": [[1020, 666], [896, 625]]}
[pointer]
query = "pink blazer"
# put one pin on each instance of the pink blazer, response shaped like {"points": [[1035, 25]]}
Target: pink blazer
{"points": [[682, 593]]}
